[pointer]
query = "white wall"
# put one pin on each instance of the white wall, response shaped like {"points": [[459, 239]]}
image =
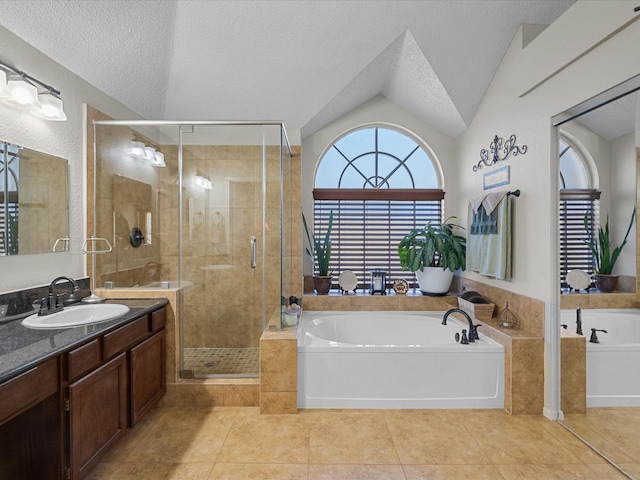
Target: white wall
{"points": [[507, 108], [591, 48], [61, 139], [622, 188]]}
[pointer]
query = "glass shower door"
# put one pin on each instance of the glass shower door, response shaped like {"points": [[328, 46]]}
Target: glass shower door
{"points": [[222, 254]]}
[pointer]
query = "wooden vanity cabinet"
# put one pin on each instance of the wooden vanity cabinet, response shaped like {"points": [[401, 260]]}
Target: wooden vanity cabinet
{"points": [[112, 382], [148, 375], [97, 406], [31, 439]]}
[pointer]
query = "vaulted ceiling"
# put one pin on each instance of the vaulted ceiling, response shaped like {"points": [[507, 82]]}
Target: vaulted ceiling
{"points": [[304, 62]]}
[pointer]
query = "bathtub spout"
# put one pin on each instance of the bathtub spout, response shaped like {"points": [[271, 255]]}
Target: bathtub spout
{"points": [[472, 327]]}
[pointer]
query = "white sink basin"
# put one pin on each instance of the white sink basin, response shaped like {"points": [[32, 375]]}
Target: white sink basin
{"points": [[76, 315]]}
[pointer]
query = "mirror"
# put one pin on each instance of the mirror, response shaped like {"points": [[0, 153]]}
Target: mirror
{"points": [[34, 201], [607, 129]]}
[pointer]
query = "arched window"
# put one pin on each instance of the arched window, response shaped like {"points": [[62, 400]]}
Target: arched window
{"points": [[379, 183], [578, 201]]}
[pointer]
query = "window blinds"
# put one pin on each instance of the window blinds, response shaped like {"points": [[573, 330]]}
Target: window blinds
{"points": [[368, 225]]}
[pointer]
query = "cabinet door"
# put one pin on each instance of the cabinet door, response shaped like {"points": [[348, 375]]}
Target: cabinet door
{"points": [[97, 414], [148, 375]]}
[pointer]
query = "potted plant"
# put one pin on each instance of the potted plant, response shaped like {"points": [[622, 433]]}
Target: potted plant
{"points": [[433, 252], [605, 257], [319, 251]]}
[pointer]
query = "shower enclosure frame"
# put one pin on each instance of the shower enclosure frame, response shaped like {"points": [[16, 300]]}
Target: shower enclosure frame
{"points": [[284, 147]]}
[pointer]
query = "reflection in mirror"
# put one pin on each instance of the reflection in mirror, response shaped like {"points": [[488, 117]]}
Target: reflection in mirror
{"points": [[34, 207], [601, 368]]}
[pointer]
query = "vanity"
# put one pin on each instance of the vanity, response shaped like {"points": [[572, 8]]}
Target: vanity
{"points": [[68, 395]]}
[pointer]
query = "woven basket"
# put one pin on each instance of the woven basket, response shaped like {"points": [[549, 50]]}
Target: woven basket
{"points": [[478, 311]]}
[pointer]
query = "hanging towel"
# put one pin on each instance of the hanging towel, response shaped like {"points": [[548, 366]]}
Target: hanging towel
{"points": [[490, 254], [489, 201]]}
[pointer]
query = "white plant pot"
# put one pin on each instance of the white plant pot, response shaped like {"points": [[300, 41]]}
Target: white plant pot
{"points": [[434, 281]]}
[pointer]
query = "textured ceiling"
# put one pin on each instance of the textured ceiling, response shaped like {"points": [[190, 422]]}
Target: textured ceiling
{"points": [[302, 62]]}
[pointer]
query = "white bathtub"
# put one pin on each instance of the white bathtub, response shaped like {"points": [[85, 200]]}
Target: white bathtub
{"points": [[395, 360], [613, 365]]}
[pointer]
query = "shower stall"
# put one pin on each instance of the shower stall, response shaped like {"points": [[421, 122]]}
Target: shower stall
{"points": [[202, 207]]}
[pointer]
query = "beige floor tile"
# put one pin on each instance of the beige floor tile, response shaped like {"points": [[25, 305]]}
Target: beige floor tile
{"points": [[267, 439], [573, 444], [355, 472], [237, 471], [184, 435], [351, 437], [238, 443], [151, 471], [632, 469], [517, 439], [433, 437], [451, 472], [559, 472]]}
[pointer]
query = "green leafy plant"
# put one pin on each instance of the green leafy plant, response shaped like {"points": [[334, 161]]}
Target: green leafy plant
{"points": [[604, 257], [433, 246], [319, 250]]}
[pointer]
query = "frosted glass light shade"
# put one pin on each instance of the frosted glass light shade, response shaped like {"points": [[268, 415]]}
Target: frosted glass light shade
{"points": [[159, 161], [4, 91], [22, 92], [136, 149], [50, 107], [150, 154]]}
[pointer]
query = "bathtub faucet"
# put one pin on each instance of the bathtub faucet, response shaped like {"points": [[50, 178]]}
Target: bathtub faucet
{"points": [[578, 321], [472, 328]]}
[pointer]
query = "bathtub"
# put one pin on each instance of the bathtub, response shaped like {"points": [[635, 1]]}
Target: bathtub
{"points": [[613, 365], [395, 360]]}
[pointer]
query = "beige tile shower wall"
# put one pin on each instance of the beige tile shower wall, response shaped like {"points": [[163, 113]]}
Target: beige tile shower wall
{"points": [[292, 225], [223, 308]]}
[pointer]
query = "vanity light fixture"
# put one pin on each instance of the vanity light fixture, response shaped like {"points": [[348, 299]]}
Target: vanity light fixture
{"points": [[203, 181], [154, 157], [20, 89], [136, 149]]}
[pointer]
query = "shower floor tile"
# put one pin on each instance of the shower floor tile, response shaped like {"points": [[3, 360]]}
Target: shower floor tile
{"points": [[222, 361]]}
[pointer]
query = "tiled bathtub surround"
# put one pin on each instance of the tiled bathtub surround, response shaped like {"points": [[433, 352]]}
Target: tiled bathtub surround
{"points": [[524, 349]]}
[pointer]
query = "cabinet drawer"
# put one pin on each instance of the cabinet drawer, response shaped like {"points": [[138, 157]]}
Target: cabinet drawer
{"points": [[158, 319], [121, 339], [27, 389], [83, 359]]}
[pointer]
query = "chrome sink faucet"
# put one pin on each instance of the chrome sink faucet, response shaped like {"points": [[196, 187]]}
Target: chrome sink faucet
{"points": [[473, 329]]}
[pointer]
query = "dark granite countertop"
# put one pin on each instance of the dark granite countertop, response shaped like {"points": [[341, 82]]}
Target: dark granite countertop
{"points": [[22, 348]]}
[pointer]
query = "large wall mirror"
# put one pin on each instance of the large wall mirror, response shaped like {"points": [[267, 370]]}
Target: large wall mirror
{"points": [[603, 134], [34, 201]]}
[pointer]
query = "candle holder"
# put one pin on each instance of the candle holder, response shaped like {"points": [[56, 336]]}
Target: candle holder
{"points": [[378, 281]]}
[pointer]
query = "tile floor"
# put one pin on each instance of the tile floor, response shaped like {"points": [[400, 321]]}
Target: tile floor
{"points": [[239, 443], [235, 362]]}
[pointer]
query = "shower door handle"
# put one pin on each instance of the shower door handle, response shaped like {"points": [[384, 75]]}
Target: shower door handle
{"points": [[253, 252]]}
